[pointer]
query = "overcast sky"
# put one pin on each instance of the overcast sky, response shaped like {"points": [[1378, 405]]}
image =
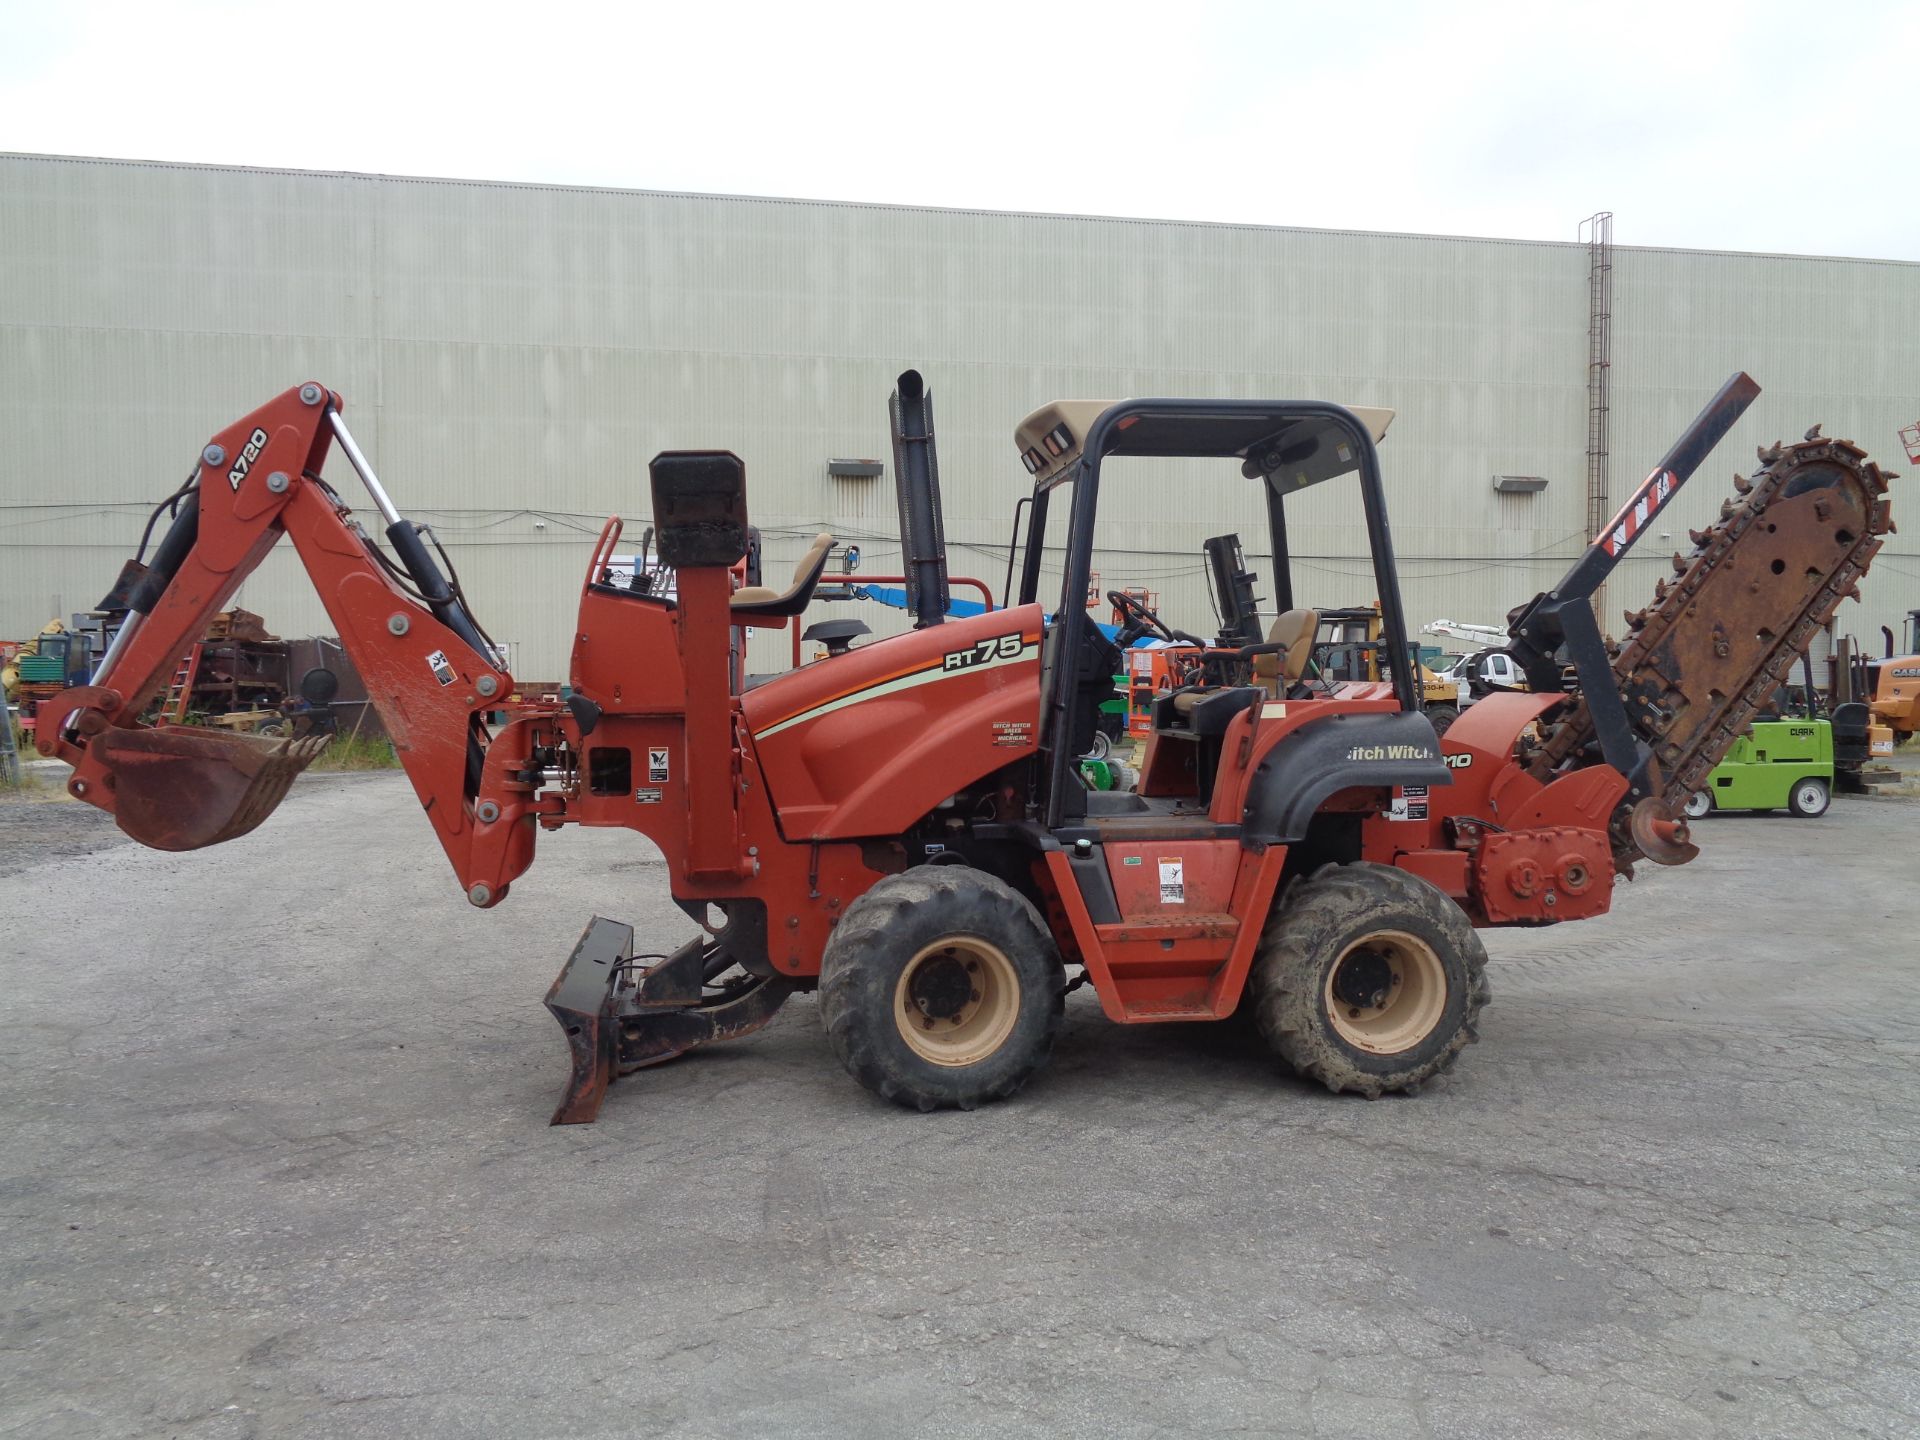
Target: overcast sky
{"points": [[1750, 126]]}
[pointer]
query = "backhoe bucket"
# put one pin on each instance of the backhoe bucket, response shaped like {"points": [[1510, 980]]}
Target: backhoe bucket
{"points": [[183, 787]]}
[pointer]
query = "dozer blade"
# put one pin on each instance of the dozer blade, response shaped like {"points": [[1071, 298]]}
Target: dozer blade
{"points": [[183, 787], [619, 1020]]}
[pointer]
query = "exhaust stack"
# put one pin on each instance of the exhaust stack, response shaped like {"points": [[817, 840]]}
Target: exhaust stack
{"points": [[916, 470]]}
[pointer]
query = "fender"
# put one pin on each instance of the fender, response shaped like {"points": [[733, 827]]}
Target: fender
{"points": [[1340, 752]]}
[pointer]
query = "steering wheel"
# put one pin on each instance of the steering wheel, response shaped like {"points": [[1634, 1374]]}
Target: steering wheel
{"points": [[1138, 620]]}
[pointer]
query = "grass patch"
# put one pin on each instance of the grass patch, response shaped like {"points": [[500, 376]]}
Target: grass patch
{"points": [[357, 752], [13, 775]]}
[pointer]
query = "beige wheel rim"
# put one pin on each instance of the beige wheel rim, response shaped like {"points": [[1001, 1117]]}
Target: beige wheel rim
{"points": [[956, 1001], [1386, 992]]}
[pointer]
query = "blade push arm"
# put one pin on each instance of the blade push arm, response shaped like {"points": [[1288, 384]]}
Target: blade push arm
{"points": [[428, 672]]}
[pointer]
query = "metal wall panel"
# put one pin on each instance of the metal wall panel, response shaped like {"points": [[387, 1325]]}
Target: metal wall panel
{"points": [[513, 355]]}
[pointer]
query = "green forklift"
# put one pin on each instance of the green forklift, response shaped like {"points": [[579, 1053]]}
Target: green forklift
{"points": [[1784, 761]]}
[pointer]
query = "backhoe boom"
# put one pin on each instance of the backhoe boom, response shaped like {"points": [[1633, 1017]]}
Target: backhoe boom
{"points": [[428, 674]]}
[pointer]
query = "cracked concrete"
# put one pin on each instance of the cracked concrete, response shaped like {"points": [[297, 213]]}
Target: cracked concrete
{"points": [[276, 1163]]}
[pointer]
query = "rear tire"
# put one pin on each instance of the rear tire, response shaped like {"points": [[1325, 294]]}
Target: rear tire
{"points": [[942, 988], [1368, 979], [1699, 805], [1442, 716], [1809, 798]]}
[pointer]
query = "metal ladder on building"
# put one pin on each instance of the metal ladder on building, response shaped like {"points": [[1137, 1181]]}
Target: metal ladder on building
{"points": [[1597, 233]]}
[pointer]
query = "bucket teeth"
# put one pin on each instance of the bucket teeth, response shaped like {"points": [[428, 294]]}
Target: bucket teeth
{"points": [[1742, 483], [1660, 588], [1700, 538], [1636, 619], [1679, 563], [1813, 434], [1726, 509]]}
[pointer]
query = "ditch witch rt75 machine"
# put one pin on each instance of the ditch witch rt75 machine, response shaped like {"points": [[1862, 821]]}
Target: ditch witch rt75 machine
{"points": [[904, 826]]}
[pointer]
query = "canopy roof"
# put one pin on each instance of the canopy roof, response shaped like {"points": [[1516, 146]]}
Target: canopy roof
{"points": [[1293, 450]]}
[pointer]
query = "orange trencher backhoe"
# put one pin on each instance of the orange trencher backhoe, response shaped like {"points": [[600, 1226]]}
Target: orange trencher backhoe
{"points": [[905, 824]]}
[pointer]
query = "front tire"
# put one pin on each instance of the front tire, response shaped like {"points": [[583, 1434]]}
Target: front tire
{"points": [[1442, 716], [1699, 805], [1368, 980], [1810, 798], [942, 988]]}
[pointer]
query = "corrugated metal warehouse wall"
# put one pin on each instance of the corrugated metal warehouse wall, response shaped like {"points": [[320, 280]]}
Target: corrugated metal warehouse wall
{"points": [[513, 355]]}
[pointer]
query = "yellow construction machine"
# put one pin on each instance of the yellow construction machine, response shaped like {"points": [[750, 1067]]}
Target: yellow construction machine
{"points": [[1348, 648]]}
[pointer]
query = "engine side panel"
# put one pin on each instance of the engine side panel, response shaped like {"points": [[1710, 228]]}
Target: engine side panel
{"points": [[866, 743]]}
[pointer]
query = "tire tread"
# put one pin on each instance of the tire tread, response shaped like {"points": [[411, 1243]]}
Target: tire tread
{"points": [[856, 970], [1287, 971]]}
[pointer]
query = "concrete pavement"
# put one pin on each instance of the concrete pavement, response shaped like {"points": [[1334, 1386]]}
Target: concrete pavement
{"points": [[274, 1161]]}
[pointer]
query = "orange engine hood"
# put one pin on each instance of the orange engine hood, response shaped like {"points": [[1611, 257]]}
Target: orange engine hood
{"points": [[868, 742]]}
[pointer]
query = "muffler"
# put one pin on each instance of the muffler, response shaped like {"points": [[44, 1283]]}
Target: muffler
{"points": [[184, 787]]}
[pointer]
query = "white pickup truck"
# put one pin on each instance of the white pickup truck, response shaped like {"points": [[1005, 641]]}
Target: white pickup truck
{"points": [[1483, 671]]}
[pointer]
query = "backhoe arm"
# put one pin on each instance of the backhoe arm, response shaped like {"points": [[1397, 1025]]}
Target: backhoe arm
{"points": [[425, 664]]}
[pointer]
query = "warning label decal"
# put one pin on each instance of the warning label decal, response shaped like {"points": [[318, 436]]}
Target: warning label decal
{"points": [[1173, 882], [657, 766]]}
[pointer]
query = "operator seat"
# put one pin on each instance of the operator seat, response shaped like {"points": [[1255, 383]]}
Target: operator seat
{"points": [[1279, 671], [767, 603], [1276, 670]]}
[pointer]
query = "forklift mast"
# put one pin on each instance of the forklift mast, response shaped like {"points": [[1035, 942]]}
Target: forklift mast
{"points": [[1233, 596]]}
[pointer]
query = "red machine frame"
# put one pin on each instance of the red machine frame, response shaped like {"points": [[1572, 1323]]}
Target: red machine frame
{"points": [[783, 805]]}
